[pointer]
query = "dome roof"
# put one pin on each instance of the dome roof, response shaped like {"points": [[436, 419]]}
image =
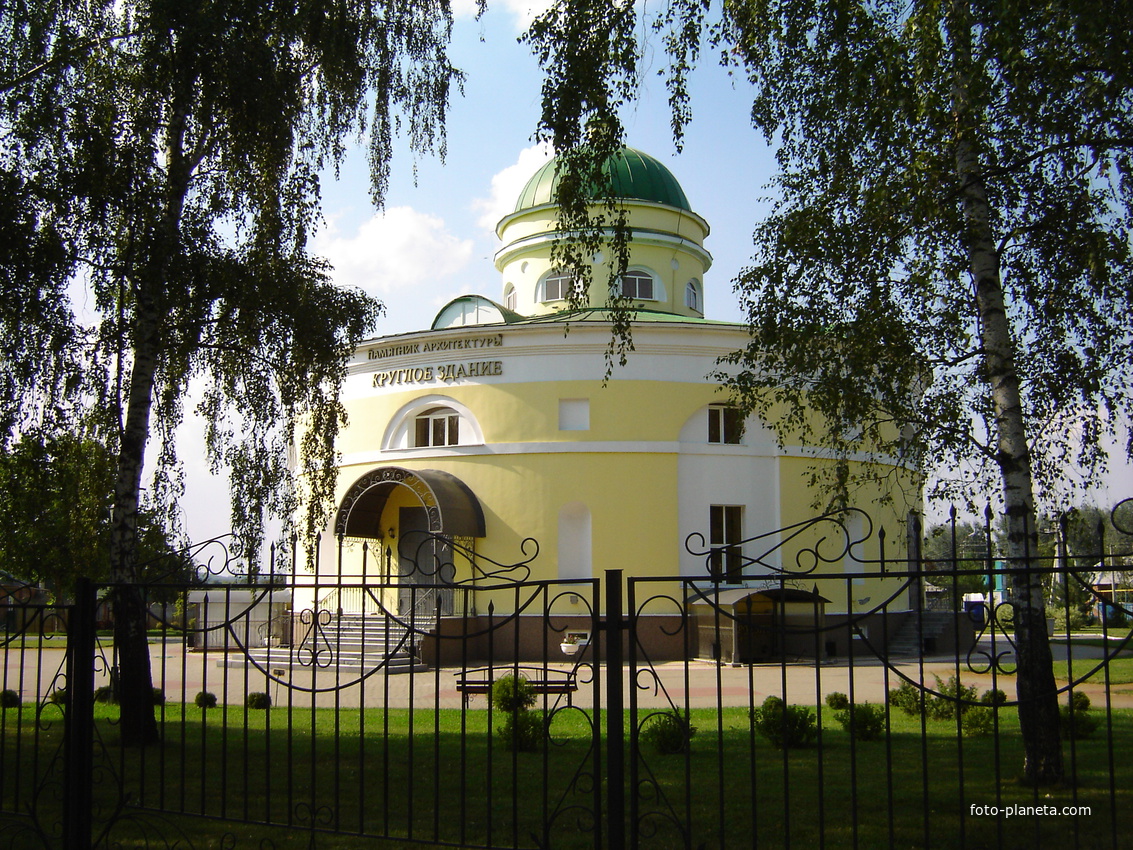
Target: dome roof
{"points": [[636, 176]]}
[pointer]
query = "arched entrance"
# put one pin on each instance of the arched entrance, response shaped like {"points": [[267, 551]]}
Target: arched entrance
{"points": [[414, 514]]}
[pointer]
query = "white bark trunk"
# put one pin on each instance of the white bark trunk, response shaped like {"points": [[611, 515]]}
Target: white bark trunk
{"points": [[1038, 699]]}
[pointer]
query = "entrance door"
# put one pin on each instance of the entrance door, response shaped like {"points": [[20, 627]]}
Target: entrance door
{"points": [[424, 567]]}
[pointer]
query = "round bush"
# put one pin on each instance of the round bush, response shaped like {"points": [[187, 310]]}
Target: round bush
{"points": [[105, 695], [1079, 701], [864, 721], [258, 699], [1077, 724], [784, 725], [978, 720], [522, 731], [994, 697], [908, 698], [668, 733], [9, 699], [837, 701], [512, 693], [205, 699]]}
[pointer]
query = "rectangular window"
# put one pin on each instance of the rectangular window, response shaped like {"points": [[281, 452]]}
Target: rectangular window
{"points": [[557, 287], [724, 424], [637, 285], [725, 535], [437, 427]]}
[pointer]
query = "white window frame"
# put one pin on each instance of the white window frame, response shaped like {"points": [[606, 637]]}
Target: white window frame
{"points": [[638, 275], [559, 278], [692, 296], [436, 427], [725, 425], [725, 533]]}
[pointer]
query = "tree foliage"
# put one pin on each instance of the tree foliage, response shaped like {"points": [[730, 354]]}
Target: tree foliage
{"points": [[166, 153], [55, 503], [944, 280]]}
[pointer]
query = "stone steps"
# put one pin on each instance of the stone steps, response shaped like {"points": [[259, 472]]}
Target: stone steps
{"points": [[348, 643]]}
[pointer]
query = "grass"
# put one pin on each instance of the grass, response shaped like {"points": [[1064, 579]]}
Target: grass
{"points": [[1120, 671], [441, 777]]}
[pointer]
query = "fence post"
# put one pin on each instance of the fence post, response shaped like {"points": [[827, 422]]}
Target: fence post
{"points": [[78, 729], [615, 715]]}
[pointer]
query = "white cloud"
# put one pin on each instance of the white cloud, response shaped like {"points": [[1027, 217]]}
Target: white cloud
{"points": [[396, 249], [507, 184], [524, 11]]}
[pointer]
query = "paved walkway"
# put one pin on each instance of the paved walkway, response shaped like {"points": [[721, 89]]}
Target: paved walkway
{"points": [[696, 684]]}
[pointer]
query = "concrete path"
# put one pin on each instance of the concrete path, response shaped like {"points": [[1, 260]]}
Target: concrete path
{"points": [[698, 684]]}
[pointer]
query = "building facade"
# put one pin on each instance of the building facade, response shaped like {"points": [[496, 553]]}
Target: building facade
{"points": [[499, 424]]}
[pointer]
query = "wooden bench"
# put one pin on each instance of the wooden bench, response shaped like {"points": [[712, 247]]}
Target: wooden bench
{"points": [[541, 680]]}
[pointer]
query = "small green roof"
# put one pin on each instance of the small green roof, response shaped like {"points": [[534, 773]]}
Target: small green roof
{"points": [[635, 176]]}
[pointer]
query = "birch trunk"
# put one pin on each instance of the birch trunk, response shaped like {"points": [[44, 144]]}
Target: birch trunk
{"points": [[1037, 694], [135, 682]]}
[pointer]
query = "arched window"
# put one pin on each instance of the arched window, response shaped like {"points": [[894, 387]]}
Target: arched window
{"points": [[637, 284], [510, 298], [692, 296], [432, 420], [725, 425], [437, 426], [557, 286]]}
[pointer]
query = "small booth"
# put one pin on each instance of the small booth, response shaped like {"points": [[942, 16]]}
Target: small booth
{"points": [[221, 617], [744, 625]]}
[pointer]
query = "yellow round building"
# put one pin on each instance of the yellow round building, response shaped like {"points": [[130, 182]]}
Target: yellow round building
{"points": [[497, 425]]}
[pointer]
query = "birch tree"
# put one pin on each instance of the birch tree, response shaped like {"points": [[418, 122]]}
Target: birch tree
{"points": [[168, 153], [945, 277]]}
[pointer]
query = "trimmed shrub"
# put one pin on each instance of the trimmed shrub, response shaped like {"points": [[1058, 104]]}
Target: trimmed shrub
{"points": [[954, 698], [837, 701], [907, 698], [864, 721], [667, 733], [258, 699], [522, 731], [512, 693], [205, 699], [978, 720], [105, 694], [1077, 722], [58, 697], [994, 697], [9, 699], [785, 726]]}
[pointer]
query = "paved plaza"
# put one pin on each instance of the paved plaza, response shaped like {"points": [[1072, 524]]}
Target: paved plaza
{"points": [[698, 684]]}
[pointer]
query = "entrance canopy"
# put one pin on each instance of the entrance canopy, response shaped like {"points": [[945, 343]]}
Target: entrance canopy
{"points": [[450, 505]]}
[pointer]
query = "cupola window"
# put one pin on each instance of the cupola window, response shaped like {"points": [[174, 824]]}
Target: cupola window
{"points": [[438, 426], [692, 296], [510, 299], [637, 284], [557, 287]]}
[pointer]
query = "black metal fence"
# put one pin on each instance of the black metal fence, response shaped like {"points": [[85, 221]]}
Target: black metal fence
{"points": [[470, 706]]}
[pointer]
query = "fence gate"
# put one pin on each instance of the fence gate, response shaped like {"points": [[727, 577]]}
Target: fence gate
{"points": [[836, 701]]}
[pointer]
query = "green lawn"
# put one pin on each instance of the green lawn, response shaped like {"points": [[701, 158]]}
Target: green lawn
{"points": [[438, 776]]}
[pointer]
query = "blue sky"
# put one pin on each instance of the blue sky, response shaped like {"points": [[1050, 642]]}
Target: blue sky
{"points": [[435, 239]]}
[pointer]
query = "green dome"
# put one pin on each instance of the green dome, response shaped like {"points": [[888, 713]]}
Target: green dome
{"points": [[636, 176]]}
